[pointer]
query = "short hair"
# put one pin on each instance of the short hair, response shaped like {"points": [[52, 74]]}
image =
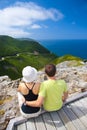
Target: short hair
{"points": [[50, 70]]}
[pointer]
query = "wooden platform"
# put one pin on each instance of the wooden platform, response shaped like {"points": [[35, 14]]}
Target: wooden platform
{"points": [[73, 116]]}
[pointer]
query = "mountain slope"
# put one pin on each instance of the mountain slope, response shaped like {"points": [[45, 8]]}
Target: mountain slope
{"points": [[11, 46], [15, 54]]}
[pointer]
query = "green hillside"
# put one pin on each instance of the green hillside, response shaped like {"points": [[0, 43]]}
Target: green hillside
{"points": [[18, 53], [11, 46], [15, 54], [76, 61]]}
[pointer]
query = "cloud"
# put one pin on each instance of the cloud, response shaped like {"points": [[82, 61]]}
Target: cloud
{"points": [[14, 32], [15, 20], [35, 26]]}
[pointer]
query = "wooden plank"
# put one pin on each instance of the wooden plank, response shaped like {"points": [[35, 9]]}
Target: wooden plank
{"points": [[10, 125], [84, 102], [40, 123], [31, 124], [85, 99], [75, 98], [56, 119], [22, 126], [82, 105], [77, 123], [15, 121], [79, 113], [69, 118], [67, 122], [48, 121]]}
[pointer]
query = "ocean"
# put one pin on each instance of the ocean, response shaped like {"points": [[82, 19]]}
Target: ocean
{"points": [[62, 47]]}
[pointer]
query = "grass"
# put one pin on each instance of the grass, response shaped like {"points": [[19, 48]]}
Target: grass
{"points": [[13, 66], [76, 60]]}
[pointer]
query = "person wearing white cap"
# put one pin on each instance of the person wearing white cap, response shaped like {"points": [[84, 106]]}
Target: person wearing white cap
{"points": [[28, 90]]}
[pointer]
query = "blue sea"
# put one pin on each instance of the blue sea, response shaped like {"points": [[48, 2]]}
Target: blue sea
{"points": [[62, 47]]}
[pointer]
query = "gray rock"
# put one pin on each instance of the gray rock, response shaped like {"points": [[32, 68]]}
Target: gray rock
{"points": [[75, 77]]}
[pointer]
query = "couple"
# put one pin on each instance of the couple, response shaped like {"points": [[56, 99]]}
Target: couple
{"points": [[50, 93]]}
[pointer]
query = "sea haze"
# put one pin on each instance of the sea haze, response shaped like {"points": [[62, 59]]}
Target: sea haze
{"points": [[62, 47]]}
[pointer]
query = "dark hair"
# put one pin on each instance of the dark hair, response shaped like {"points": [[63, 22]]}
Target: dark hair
{"points": [[50, 70]]}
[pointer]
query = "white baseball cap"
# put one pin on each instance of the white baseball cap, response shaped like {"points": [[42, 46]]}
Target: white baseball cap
{"points": [[29, 74]]}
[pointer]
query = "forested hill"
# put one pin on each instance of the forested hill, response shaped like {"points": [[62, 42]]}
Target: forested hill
{"points": [[15, 54], [11, 46]]}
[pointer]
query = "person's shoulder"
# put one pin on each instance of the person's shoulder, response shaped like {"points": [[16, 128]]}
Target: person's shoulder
{"points": [[21, 86], [36, 87], [45, 82], [37, 84], [61, 81], [21, 83]]}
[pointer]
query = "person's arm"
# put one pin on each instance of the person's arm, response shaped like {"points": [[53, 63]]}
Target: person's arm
{"points": [[21, 99], [36, 103], [65, 96]]}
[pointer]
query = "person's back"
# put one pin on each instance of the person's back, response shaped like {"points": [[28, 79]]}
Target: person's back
{"points": [[29, 90], [30, 93], [52, 91]]}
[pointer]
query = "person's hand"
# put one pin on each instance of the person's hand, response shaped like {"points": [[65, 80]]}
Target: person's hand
{"points": [[25, 102]]}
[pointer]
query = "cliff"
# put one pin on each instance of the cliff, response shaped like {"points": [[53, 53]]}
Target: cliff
{"points": [[75, 77]]}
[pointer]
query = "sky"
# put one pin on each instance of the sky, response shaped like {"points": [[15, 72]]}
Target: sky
{"points": [[44, 19]]}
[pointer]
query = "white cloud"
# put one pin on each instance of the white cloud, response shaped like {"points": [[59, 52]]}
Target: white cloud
{"points": [[14, 32], [14, 20], [35, 26]]}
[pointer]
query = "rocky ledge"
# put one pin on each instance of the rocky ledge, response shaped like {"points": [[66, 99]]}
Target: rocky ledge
{"points": [[75, 77]]}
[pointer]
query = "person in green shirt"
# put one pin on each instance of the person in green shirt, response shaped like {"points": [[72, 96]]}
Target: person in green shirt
{"points": [[52, 93]]}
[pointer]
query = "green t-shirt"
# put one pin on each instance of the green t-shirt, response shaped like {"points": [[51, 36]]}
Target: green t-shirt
{"points": [[52, 91]]}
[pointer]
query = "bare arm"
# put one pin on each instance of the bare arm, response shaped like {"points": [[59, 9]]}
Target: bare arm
{"points": [[65, 96], [36, 103], [21, 99]]}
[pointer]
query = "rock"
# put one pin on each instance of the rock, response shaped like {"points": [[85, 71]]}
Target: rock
{"points": [[2, 78], [75, 77], [83, 84]]}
